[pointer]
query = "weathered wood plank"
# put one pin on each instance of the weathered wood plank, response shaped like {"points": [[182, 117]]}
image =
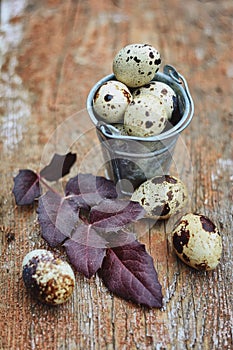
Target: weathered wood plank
{"points": [[61, 49]]}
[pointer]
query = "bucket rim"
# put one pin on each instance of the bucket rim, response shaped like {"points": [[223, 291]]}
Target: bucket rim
{"points": [[169, 75]]}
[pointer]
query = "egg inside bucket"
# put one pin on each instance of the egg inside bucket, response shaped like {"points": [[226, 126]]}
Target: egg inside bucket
{"points": [[136, 158], [136, 64]]}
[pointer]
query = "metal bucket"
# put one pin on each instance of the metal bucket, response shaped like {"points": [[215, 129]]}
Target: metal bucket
{"points": [[131, 160]]}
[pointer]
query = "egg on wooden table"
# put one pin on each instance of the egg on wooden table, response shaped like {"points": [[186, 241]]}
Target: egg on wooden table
{"points": [[197, 242], [49, 279], [162, 196]]}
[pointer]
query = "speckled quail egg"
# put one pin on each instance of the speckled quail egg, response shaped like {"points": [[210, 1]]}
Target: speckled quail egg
{"points": [[197, 242], [111, 100], [145, 116], [49, 279], [136, 64], [163, 91], [121, 128], [162, 196]]}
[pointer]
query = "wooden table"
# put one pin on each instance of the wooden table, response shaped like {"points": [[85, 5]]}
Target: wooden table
{"points": [[52, 53]]}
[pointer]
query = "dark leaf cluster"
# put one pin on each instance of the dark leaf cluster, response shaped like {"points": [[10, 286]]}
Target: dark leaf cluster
{"points": [[90, 221]]}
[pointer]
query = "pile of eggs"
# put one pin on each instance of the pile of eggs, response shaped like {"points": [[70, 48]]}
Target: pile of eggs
{"points": [[144, 106], [195, 239], [138, 105]]}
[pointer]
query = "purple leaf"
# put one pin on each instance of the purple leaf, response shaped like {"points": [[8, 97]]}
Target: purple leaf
{"points": [[26, 187], [112, 215], [86, 250], [56, 217], [128, 272], [93, 189], [77, 202], [58, 167], [116, 239]]}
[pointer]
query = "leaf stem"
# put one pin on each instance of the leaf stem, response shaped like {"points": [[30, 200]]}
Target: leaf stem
{"points": [[42, 180]]}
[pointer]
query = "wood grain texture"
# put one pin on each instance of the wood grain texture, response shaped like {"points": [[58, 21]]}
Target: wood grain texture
{"points": [[52, 54]]}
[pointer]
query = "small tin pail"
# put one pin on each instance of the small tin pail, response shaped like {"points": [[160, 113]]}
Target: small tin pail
{"points": [[137, 159]]}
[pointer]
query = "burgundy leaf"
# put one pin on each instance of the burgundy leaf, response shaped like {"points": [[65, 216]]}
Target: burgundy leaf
{"points": [[116, 239], [26, 187], [58, 167], [128, 272], [86, 250], [77, 202], [79, 205], [112, 215], [56, 217], [93, 189]]}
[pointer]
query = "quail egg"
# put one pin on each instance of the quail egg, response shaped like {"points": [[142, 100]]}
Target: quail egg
{"points": [[121, 128], [197, 242], [165, 93], [49, 279], [145, 116], [162, 196], [111, 100], [136, 64]]}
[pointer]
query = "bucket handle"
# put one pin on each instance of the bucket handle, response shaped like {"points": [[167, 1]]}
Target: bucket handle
{"points": [[178, 78]]}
